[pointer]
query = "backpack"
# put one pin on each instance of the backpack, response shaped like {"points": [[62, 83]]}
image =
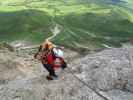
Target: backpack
{"points": [[58, 52]]}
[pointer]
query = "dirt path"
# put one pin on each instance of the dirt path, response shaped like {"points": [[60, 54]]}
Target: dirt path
{"points": [[55, 31]]}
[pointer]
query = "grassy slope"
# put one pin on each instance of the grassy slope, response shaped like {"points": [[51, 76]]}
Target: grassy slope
{"points": [[85, 25], [96, 27], [19, 22], [23, 24]]}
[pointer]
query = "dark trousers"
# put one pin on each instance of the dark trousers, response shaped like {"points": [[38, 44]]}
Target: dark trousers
{"points": [[50, 69]]}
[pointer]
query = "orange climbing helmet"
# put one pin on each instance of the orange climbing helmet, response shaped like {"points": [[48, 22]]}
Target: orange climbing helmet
{"points": [[47, 45]]}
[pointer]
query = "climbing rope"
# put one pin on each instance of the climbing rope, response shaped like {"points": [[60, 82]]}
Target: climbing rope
{"points": [[80, 80]]}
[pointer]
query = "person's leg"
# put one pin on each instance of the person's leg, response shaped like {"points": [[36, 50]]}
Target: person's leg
{"points": [[50, 69]]}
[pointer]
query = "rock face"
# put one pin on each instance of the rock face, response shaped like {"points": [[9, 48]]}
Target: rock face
{"points": [[107, 75], [110, 72]]}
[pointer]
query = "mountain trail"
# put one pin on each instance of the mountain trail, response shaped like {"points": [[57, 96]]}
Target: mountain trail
{"points": [[20, 45]]}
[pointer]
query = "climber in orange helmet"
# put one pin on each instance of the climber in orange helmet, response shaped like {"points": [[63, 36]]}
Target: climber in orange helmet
{"points": [[46, 55], [47, 45]]}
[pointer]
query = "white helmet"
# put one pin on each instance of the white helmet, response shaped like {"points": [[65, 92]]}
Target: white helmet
{"points": [[58, 52]]}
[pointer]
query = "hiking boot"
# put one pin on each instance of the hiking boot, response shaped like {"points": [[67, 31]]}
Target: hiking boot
{"points": [[49, 77], [55, 77]]}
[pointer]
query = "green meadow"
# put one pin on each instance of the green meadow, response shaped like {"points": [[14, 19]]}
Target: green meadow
{"points": [[90, 25]]}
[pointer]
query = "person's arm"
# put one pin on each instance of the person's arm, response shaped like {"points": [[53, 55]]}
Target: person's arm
{"points": [[40, 48], [36, 54]]}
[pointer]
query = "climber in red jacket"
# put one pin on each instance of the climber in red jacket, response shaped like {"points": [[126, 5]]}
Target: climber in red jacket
{"points": [[52, 63], [49, 60]]}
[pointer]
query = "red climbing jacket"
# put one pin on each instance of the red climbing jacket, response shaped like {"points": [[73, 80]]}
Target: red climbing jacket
{"points": [[56, 62], [48, 57]]}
